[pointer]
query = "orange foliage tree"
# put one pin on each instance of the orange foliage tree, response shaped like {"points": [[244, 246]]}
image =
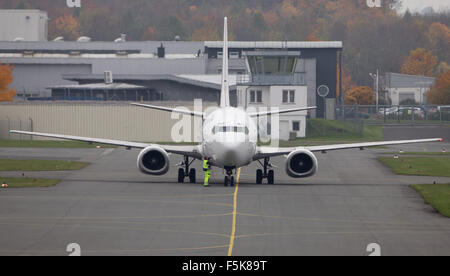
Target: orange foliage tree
{"points": [[66, 26], [6, 94], [347, 82], [420, 62], [439, 37], [440, 92], [362, 95], [443, 67], [207, 33]]}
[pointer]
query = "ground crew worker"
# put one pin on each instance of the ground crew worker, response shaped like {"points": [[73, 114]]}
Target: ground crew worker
{"points": [[207, 170]]}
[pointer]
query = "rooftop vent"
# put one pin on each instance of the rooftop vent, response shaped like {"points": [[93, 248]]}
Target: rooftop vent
{"points": [[18, 39], [84, 39], [122, 38], [59, 38]]}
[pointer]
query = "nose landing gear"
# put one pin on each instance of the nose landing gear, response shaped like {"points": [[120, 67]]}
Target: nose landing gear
{"points": [[265, 174], [186, 172], [229, 178]]}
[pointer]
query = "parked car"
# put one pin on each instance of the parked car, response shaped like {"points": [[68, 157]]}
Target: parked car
{"points": [[401, 111]]}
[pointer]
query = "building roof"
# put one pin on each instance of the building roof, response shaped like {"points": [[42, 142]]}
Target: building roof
{"points": [[147, 47], [151, 47], [100, 86], [206, 81], [276, 44], [396, 80], [22, 11], [273, 53]]}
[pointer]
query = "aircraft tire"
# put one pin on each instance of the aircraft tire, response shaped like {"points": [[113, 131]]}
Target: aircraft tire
{"points": [[271, 177], [192, 177], [259, 176], [181, 175]]}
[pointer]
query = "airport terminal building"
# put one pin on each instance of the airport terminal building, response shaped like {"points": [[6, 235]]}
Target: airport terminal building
{"points": [[262, 74], [162, 71]]}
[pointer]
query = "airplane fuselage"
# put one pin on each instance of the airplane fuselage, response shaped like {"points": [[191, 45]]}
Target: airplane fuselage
{"points": [[229, 138]]}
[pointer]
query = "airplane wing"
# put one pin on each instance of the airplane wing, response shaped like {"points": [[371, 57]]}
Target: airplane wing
{"points": [[271, 112], [264, 152], [191, 151], [181, 111]]}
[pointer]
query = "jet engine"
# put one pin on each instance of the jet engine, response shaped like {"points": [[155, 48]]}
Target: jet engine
{"points": [[153, 161], [301, 163]]}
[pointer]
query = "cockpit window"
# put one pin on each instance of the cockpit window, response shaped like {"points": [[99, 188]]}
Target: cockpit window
{"points": [[235, 129]]}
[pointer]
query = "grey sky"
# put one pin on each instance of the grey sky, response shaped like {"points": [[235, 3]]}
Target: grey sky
{"points": [[419, 5]]}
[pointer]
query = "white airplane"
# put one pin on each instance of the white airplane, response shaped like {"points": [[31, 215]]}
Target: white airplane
{"points": [[229, 140]]}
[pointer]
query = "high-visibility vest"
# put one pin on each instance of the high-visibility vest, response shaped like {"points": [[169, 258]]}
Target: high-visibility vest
{"points": [[205, 165]]}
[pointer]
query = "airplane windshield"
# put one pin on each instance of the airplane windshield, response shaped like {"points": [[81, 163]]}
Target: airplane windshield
{"points": [[235, 129]]}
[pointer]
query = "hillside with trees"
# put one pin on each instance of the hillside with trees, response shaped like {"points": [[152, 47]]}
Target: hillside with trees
{"points": [[373, 37]]}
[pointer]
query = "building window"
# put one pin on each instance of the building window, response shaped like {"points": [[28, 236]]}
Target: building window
{"points": [[296, 126], [288, 96], [255, 96]]}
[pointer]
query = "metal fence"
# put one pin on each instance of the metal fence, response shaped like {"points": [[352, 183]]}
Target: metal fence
{"points": [[116, 120], [388, 114]]}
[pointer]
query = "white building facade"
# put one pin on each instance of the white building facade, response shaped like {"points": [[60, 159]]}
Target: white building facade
{"points": [[23, 25], [402, 87], [291, 125]]}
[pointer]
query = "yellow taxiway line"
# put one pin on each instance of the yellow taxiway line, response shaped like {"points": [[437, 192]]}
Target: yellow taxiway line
{"points": [[233, 229]]}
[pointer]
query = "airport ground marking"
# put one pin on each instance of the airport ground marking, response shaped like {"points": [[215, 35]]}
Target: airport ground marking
{"points": [[63, 225], [113, 251], [233, 229]]}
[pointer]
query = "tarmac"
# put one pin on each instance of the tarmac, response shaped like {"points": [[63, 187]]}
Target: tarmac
{"points": [[110, 208]]}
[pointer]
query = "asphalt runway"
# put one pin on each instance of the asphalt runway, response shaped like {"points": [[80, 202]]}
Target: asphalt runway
{"points": [[109, 208]]}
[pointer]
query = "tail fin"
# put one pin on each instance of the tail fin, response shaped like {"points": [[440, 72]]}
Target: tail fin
{"points": [[225, 92]]}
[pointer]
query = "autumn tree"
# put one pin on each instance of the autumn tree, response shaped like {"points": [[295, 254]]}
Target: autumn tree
{"points": [[171, 27], [372, 38], [439, 36], [420, 62], [362, 95], [66, 26], [149, 34], [347, 82], [440, 92], [443, 67], [6, 78], [207, 33], [99, 24]]}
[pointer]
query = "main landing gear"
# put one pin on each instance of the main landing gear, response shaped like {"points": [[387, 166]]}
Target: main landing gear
{"points": [[229, 178], [186, 172], [265, 174]]}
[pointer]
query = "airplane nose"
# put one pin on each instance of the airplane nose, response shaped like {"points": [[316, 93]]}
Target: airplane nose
{"points": [[231, 156], [232, 153]]}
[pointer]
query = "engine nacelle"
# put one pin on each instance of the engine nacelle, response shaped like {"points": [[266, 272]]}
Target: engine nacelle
{"points": [[153, 161], [301, 163]]}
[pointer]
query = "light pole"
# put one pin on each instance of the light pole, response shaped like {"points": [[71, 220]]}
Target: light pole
{"points": [[376, 80]]}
